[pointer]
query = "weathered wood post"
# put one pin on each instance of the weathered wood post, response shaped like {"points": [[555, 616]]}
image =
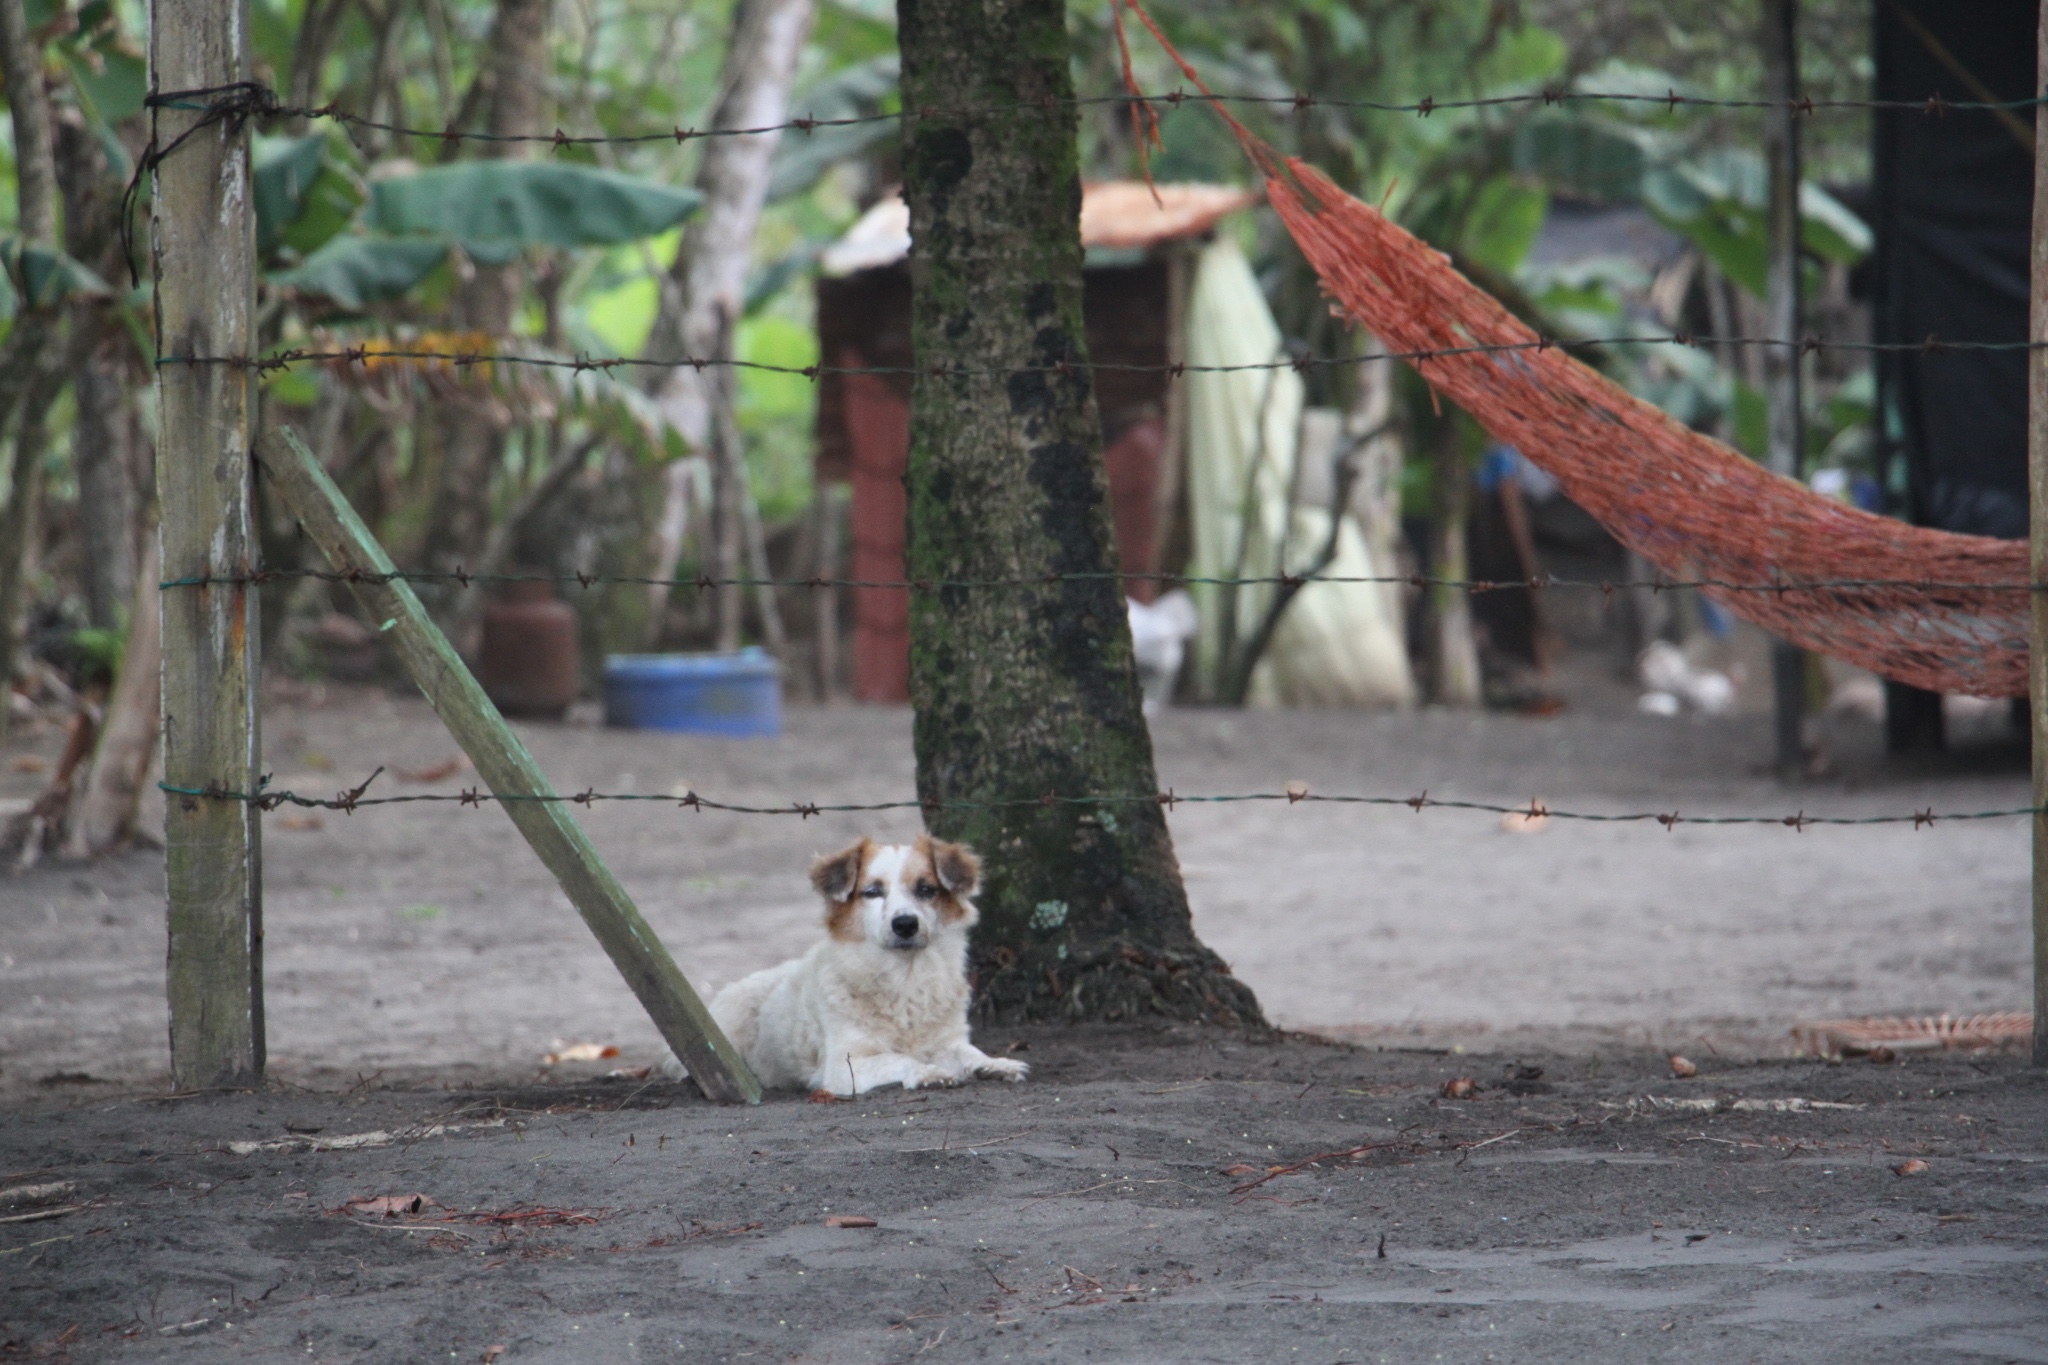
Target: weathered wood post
{"points": [[204, 247], [1781, 356], [2037, 513]]}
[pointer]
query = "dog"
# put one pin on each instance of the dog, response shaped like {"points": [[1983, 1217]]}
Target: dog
{"points": [[883, 999]]}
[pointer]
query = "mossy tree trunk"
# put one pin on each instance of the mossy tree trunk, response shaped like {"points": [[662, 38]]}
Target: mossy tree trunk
{"points": [[1021, 693]]}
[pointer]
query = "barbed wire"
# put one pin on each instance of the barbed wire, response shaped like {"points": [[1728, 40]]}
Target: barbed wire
{"points": [[1295, 793], [252, 100], [376, 356], [463, 578]]}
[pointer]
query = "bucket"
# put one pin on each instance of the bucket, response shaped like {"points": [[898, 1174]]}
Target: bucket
{"points": [[706, 694], [527, 661]]}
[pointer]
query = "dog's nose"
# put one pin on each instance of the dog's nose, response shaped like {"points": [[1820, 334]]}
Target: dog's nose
{"points": [[904, 926]]}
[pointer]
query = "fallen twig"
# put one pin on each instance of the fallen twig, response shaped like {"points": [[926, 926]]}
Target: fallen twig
{"points": [[967, 1146], [38, 1215], [1348, 1154]]}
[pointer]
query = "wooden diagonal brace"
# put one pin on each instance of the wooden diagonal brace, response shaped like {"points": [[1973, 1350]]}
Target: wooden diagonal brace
{"points": [[502, 761]]}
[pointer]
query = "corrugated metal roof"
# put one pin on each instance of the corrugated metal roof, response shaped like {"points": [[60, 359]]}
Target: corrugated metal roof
{"points": [[1114, 213]]}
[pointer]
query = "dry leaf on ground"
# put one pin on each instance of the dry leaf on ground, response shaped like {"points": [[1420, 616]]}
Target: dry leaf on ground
{"points": [[849, 1220], [492, 1352], [1461, 1088], [1241, 1169], [629, 1073], [580, 1052], [1682, 1068], [433, 772], [1914, 1167]]}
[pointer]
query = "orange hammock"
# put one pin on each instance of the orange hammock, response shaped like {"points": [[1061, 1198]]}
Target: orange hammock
{"points": [[1691, 506]]}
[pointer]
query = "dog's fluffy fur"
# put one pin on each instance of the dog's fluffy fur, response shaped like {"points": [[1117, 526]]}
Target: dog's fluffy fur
{"points": [[883, 999]]}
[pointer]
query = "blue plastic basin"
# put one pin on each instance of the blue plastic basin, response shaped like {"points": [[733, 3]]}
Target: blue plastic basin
{"points": [[707, 694]]}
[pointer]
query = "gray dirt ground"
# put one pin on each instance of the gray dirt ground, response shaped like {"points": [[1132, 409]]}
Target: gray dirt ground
{"points": [[420, 962], [1099, 1211]]}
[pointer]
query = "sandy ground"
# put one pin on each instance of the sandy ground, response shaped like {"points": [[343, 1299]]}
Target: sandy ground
{"points": [[1106, 1209], [420, 962], [427, 937]]}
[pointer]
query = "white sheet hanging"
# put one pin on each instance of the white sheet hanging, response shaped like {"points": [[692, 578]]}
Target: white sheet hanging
{"points": [[1340, 644]]}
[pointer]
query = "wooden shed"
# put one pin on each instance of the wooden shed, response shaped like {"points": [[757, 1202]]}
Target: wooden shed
{"points": [[1135, 290]]}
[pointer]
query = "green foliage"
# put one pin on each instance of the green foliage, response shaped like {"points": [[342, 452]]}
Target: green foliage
{"points": [[1721, 200], [1502, 222], [107, 70], [356, 271], [305, 195], [776, 411], [43, 277], [496, 209], [96, 653], [1593, 158], [1717, 199], [866, 87], [615, 310]]}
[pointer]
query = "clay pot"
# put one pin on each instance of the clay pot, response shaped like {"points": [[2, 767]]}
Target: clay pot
{"points": [[528, 660]]}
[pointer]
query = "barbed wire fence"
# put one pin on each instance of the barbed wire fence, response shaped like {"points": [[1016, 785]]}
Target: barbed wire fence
{"points": [[243, 101], [234, 105]]}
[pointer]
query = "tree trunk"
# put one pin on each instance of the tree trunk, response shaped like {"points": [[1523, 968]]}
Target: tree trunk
{"points": [[28, 103], [1786, 436], [104, 812], [1025, 693], [514, 83], [24, 360], [21, 530], [1454, 658], [728, 490], [101, 449], [707, 284], [106, 493]]}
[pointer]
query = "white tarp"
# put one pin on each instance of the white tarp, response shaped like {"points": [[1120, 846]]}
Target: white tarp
{"points": [[1340, 644]]}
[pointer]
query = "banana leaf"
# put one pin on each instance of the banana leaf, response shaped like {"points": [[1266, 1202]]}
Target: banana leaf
{"points": [[43, 277], [355, 270], [496, 209]]}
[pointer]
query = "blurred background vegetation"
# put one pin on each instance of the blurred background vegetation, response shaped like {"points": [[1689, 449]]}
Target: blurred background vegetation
{"points": [[376, 238]]}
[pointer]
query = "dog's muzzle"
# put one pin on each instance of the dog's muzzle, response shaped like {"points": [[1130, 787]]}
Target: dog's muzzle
{"points": [[904, 927]]}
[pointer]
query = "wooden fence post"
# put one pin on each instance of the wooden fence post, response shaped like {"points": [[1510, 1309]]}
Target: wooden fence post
{"points": [[2037, 510], [204, 245]]}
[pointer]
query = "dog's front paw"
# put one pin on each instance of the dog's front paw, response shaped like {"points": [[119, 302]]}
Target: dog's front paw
{"points": [[672, 1065], [1003, 1069], [933, 1078]]}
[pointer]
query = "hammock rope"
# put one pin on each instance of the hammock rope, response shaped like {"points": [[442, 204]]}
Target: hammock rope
{"points": [[1688, 504]]}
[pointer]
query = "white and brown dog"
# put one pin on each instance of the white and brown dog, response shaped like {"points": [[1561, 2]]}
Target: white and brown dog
{"points": [[883, 999]]}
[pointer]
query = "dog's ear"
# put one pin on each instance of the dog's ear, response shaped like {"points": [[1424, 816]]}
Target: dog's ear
{"points": [[957, 868], [837, 877]]}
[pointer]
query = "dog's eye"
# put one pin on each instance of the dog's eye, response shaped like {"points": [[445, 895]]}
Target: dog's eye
{"points": [[873, 891], [925, 891]]}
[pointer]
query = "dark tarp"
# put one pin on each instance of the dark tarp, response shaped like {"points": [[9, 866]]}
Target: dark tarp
{"points": [[1952, 209]]}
